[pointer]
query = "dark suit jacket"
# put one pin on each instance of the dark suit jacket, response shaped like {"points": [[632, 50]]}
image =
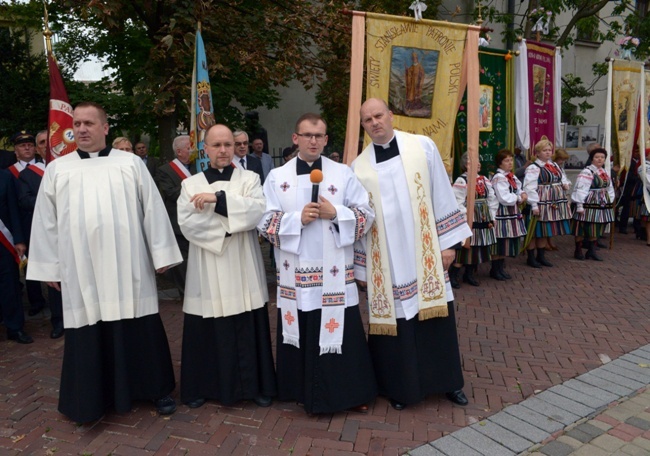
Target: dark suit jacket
{"points": [[27, 186], [254, 164], [169, 184], [153, 164], [9, 213]]}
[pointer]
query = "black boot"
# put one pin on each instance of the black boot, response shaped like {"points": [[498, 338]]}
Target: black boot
{"points": [[532, 262], [578, 252], [541, 258], [468, 276], [502, 269], [591, 253], [495, 271], [453, 276]]}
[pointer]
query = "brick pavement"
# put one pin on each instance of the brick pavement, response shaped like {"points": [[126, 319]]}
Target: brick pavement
{"points": [[517, 338]]}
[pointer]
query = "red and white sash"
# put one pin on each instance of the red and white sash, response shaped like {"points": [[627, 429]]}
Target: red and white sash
{"points": [[38, 168], [15, 169], [179, 168], [7, 239]]}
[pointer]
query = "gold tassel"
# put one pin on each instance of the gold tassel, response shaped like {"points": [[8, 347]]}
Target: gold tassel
{"points": [[382, 330], [433, 312]]}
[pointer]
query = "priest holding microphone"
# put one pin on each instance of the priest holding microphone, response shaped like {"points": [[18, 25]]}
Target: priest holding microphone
{"points": [[315, 210]]}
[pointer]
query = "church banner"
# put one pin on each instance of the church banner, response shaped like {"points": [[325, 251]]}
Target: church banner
{"points": [[60, 137], [494, 108], [416, 67], [541, 59], [202, 115], [626, 79]]}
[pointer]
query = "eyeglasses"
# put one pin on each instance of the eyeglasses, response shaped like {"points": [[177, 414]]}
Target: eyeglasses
{"points": [[309, 136], [243, 143]]}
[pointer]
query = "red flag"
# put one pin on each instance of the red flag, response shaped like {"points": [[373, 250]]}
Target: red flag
{"points": [[60, 135]]}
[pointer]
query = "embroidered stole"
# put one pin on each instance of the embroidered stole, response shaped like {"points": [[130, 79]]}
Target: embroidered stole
{"points": [[432, 299], [331, 277]]}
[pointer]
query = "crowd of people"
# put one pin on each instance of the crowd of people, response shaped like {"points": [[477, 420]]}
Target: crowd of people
{"points": [[98, 224]]}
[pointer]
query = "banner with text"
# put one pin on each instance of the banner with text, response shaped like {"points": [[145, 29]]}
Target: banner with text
{"points": [[416, 67], [202, 115]]}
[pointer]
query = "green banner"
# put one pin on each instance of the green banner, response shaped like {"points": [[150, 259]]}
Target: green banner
{"points": [[495, 111]]}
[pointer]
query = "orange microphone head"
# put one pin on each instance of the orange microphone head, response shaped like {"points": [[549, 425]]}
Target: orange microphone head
{"points": [[316, 176]]}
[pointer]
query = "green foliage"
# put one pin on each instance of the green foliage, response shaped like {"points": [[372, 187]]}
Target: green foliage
{"points": [[572, 88], [24, 89]]}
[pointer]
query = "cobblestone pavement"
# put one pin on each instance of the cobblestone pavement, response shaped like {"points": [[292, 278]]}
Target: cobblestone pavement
{"points": [[523, 343]]}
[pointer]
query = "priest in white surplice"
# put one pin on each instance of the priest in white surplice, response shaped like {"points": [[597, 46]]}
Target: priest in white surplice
{"points": [[102, 234], [322, 357], [412, 333], [227, 354]]}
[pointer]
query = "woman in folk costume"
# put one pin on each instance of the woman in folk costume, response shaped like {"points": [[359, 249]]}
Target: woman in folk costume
{"points": [[510, 226], [483, 241], [546, 187], [594, 198]]}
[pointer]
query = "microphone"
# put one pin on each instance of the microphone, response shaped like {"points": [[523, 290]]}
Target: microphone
{"points": [[316, 177]]}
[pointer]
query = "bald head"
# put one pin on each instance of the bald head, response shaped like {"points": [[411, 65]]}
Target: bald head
{"points": [[219, 145], [377, 120]]}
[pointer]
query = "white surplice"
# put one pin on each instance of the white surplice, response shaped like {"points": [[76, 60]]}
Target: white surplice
{"points": [[225, 274], [399, 225], [101, 229]]}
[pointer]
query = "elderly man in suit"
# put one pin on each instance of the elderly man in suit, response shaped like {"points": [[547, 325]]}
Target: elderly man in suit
{"points": [[242, 159], [169, 178]]}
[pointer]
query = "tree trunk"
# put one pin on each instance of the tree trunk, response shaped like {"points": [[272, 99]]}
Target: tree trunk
{"points": [[166, 134]]}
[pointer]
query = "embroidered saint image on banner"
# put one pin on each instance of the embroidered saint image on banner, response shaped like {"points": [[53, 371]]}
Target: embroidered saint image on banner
{"points": [[412, 81], [623, 108], [485, 108], [539, 84]]}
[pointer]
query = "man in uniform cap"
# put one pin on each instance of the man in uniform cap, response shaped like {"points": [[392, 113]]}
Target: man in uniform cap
{"points": [[27, 160]]}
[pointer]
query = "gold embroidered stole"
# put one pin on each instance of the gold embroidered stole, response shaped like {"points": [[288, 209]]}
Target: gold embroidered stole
{"points": [[432, 301]]}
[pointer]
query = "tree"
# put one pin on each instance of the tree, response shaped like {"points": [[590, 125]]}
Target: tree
{"points": [[25, 86]]}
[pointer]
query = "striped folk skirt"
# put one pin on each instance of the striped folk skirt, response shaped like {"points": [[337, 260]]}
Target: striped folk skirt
{"points": [[597, 214], [483, 242], [554, 211], [510, 230]]}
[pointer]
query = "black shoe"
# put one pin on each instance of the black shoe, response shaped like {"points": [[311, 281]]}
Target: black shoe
{"points": [[495, 271], [457, 397], [502, 269], [591, 254], [541, 258], [577, 254], [453, 276], [600, 245], [34, 311], [532, 262], [165, 405], [468, 276], [196, 403], [397, 405], [20, 336], [263, 401], [57, 332]]}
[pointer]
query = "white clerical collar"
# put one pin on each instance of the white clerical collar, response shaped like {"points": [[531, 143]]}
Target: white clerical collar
{"points": [[387, 145], [93, 154]]}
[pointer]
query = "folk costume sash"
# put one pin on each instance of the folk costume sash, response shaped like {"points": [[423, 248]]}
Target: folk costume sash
{"points": [[7, 240], [179, 168], [330, 273], [432, 301]]}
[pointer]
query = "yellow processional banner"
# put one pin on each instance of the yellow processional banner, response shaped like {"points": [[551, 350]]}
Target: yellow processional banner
{"points": [[627, 78], [417, 68]]}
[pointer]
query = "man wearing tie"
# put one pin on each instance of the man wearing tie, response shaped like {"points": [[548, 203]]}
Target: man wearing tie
{"points": [[242, 159]]}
